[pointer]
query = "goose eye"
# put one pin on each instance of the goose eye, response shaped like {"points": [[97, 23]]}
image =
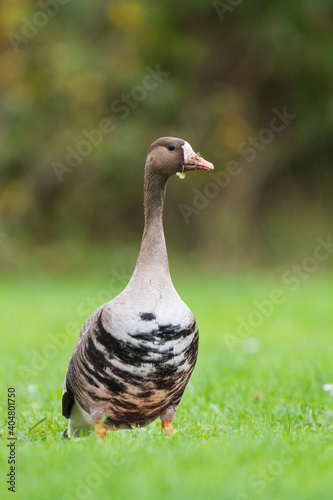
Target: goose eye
{"points": [[171, 147]]}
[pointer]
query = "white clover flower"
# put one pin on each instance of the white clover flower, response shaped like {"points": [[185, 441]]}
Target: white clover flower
{"points": [[328, 388]]}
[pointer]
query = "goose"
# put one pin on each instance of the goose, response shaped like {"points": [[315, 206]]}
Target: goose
{"points": [[135, 354]]}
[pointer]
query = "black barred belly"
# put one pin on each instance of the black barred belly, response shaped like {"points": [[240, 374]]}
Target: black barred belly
{"points": [[135, 382]]}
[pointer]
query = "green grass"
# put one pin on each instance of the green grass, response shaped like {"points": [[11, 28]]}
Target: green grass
{"points": [[254, 421]]}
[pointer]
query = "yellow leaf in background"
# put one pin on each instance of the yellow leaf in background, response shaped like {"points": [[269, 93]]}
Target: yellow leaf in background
{"points": [[126, 16], [13, 69], [233, 130], [11, 14], [16, 199], [118, 62]]}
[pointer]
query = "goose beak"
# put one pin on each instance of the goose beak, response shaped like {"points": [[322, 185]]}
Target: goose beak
{"points": [[200, 163], [193, 161]]}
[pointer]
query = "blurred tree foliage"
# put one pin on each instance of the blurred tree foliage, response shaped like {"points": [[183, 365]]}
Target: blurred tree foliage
{"points": [[67, 65]]}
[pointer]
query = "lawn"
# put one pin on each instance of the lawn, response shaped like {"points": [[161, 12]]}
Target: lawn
{"points": [[254, 422]]}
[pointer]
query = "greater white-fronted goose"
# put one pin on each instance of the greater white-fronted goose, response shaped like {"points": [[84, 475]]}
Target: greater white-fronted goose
{"points": [[135, 354]]}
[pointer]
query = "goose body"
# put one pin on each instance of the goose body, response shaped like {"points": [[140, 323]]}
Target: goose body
{"points": [[135, 354]]}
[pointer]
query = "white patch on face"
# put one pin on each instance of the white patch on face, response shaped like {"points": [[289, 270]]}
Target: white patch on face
{"points": [[189, 154]]}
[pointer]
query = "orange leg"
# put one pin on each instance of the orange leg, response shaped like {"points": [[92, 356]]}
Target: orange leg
{"points": [[167, 427], [100, 430]]}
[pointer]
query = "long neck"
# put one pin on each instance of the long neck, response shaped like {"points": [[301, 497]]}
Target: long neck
{"points": [[152, 263]]}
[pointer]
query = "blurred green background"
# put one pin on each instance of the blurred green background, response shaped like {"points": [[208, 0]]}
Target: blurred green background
{"points": [[226, 67], [86, 86]]}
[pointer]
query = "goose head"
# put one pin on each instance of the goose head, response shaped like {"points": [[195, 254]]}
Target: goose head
{"points": [[169, 155]]}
